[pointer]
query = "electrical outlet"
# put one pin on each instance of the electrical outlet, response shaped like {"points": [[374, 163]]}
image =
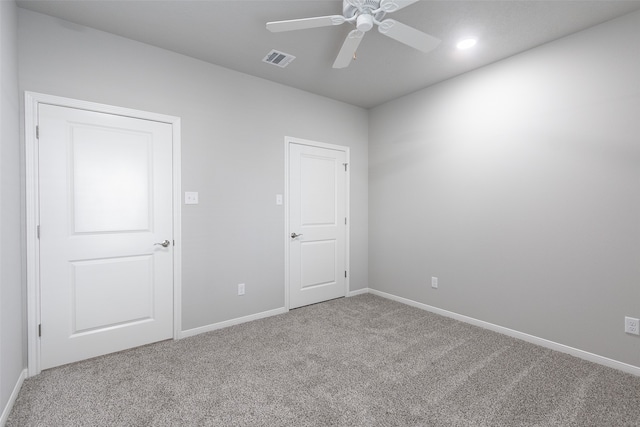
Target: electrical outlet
{"points": [[191, 198], [631, 325], [240, 288], [434, 282]]}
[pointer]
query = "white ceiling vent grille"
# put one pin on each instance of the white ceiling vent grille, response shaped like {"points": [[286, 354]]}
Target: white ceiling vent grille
{"points": [[280, 59]]}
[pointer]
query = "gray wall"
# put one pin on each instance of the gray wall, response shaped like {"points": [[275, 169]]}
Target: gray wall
{"points": [[233, 129], [517, 185], [12, 342]]}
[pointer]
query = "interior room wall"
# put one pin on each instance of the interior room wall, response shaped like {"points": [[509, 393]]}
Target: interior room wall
{"points": [[517, 186], [12, 342], [233, 129]]}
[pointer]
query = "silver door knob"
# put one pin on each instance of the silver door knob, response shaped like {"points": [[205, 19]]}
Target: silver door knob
{"points": [[294, 235], [163, 244]]}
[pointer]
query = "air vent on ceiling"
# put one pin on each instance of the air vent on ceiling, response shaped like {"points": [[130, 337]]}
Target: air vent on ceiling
{"points": [[280, 59]]}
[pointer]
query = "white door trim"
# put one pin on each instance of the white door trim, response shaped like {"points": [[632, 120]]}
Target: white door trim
{"points": [[32, 100], [288, 140]]}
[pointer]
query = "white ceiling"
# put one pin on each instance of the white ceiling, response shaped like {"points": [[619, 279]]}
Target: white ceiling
{"points": [[232, 34]]}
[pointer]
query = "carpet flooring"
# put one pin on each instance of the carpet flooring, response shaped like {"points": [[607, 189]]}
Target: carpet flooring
{"points": [[360, 361]]}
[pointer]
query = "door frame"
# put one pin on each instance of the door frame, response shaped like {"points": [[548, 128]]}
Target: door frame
{"points": [[32, 196], [288, 140]]}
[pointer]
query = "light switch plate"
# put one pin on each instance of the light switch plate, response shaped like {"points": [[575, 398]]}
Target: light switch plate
{"points": [[191, 198]]}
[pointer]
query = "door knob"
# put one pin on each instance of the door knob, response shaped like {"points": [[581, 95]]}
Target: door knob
{"points": [[163, 244], [294, 235]]}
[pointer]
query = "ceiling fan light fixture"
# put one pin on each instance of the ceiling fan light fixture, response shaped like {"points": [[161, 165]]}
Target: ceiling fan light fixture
{"points": [[364, 22], [466, 44]]}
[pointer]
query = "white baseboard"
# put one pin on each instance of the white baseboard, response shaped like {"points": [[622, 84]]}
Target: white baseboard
{"points": [[591, 357], [239, 320], [12, 399], [232, 322], [358, 292]]}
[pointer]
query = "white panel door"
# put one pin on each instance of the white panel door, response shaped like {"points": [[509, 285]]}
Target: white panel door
{"points": [[317, 217], [105, 185]]}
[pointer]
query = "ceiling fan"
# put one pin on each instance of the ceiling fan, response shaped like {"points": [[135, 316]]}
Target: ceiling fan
{"points": [[364, 14]]}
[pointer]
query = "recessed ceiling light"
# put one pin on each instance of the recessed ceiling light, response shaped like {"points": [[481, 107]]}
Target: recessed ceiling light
{"points": [[466, 43]]}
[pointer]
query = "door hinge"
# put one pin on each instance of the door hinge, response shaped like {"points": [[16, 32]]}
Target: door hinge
{"points": [[345, 273], [345, 166], [37, 132], [40, 330], [174, 243], [38, 231], [345, 221]]}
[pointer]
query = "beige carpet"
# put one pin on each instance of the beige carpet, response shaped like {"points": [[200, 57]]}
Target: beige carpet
{"points": [[361, 361]]}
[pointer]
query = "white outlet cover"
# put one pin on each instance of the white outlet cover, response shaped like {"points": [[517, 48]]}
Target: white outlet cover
{"points": [[434, 282], [278, 199], [632, 325], [191, 198]]}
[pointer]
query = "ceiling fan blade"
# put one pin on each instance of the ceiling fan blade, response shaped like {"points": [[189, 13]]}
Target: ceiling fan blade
{"points": [[408, 35], [393, 5], [348, 49], [304, 23]]}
